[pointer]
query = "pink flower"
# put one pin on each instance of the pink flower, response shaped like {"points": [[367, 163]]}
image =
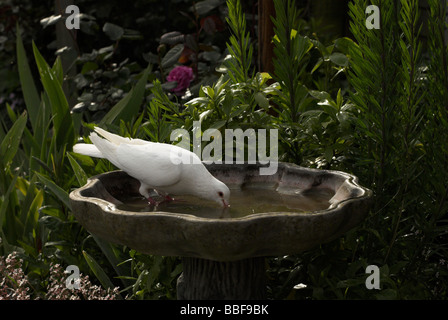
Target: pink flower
{"points": [[183, 75]]}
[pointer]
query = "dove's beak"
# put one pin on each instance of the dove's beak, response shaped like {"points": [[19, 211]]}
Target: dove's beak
{"points": [[225, 204]]}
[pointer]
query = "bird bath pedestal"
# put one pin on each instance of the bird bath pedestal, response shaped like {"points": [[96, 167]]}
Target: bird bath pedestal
{"points": [[223, 256]]}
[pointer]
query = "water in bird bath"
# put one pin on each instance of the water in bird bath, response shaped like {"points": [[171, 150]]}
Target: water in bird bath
{"points": [[243, 202]]}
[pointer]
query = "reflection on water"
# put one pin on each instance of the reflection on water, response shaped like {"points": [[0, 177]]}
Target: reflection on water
{"points": [[243, 202]]}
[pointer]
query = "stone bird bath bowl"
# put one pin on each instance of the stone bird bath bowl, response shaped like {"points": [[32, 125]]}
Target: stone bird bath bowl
{"points": [[222, 251]]}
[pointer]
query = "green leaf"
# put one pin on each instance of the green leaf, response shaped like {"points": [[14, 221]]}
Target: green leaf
{"points": [[328, 154], [172, 38], [172, 56], [4, 205], [263, 77], [386, 294], [344, 44], [60, 193], [129, 106], [321, 47], [33, 214], [350, 283], [30, 94], [83, 159], [42, 164], [262, 101], [63, 123], [293, 35], [115, 257], [320, 95], [11, 142], [98, 271], [339, 58], [113, 31], [57, 70], [29, 190], [203, 7], [218, 124], [81, 176], [317, 65], [339, 99]]}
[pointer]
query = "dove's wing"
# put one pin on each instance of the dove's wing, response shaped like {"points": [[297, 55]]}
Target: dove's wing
{"points": [[93, 151], [106, 148], [150, 163], [157, 165], [116, 139]]}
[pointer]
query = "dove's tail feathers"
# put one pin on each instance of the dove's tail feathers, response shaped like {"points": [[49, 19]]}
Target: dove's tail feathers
{"points": [[107, 148], [88, 150], [111, 137], [116, 139]]}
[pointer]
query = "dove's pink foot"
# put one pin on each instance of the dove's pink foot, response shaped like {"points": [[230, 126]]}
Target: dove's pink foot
{"points": [[168, 198], [152, 202]]}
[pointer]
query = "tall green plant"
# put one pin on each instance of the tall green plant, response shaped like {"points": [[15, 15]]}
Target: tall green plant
{"points": [[290, 49], [374, 76], [437, 117], [63, 128], [35, 214], [400, 98], [9, 214], [410, 112], [246, 87], [435, 145], [240, 97], [239, 46]]}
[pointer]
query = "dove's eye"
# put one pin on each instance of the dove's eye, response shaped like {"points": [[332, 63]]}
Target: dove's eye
{"points": [[220, 194]]}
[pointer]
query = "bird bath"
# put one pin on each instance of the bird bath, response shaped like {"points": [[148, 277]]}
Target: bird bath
{"points": [[223, 250]]}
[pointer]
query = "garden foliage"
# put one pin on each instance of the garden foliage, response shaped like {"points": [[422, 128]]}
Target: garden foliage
{"points": [[374, 106]]}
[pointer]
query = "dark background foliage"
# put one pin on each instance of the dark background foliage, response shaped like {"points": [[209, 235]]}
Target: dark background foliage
{"points": [[369, 102]]}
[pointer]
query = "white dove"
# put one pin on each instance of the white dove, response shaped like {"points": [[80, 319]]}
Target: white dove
{"points": [[166, 168]]}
